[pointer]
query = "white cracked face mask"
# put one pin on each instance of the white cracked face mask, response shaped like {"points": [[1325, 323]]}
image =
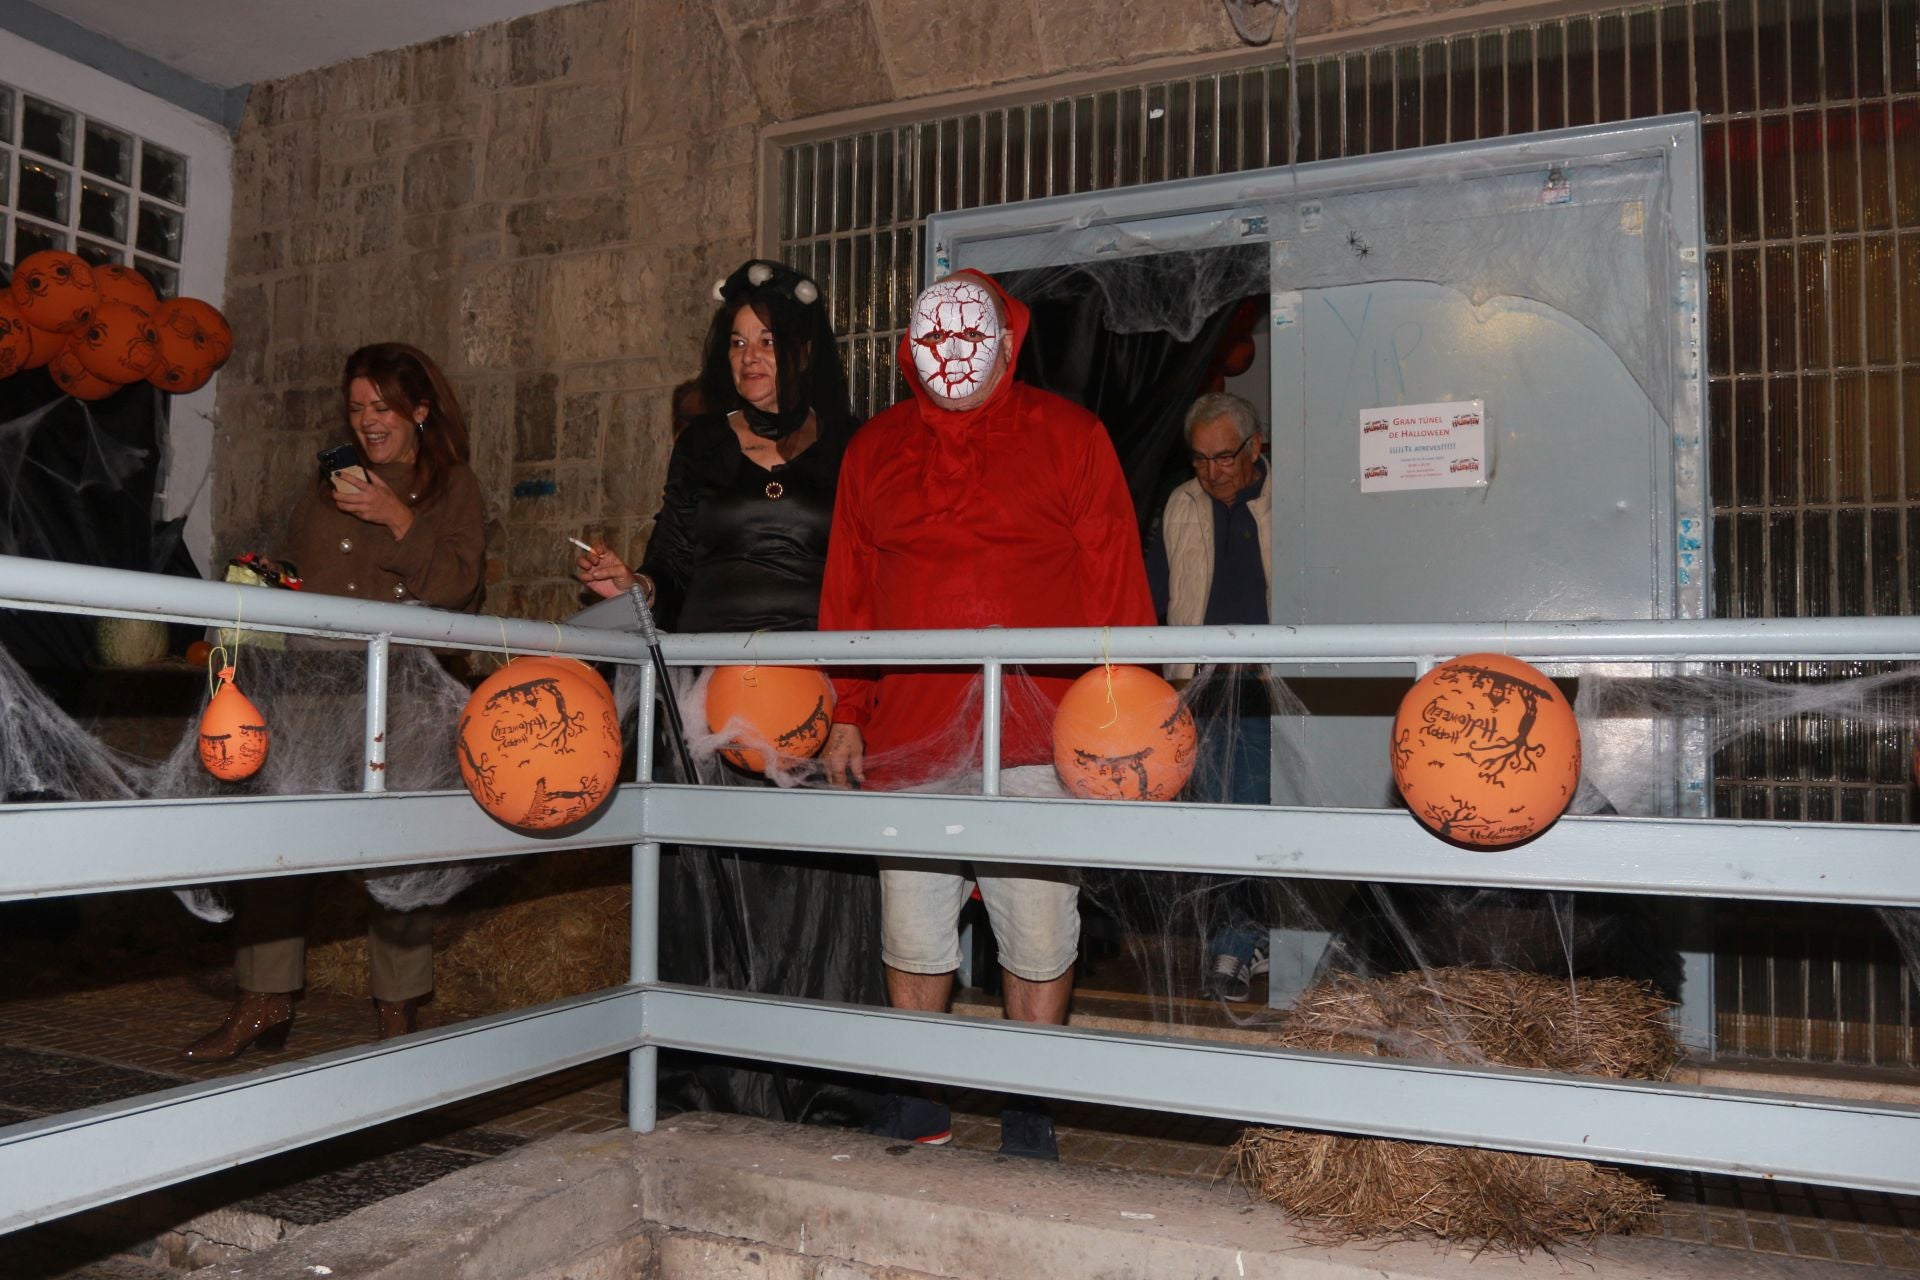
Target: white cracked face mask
{"points": [[956, 335]]}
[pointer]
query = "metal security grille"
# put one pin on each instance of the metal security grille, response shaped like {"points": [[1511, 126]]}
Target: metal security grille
{"points": [[1812, 161]]}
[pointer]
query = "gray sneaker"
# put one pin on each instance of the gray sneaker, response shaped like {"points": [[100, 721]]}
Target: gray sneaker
{"points": [[1232, 976]]}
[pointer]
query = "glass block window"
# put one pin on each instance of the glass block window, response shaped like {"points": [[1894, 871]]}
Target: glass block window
{"points": [[68, 181]]}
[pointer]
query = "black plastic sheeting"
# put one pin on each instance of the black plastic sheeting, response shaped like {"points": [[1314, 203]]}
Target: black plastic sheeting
{"points": [[77, 484], [778, 924]]}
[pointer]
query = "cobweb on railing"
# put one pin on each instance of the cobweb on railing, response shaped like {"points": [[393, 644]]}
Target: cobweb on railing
{"points": [[1158, 934], [1153, 935], [314, 703]]}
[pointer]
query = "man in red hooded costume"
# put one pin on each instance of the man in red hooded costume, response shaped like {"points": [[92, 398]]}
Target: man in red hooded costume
{"points": [[980, 502]]}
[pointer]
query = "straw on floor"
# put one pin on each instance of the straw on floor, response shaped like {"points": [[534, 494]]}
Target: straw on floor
{"points": [[1344, 1188]]}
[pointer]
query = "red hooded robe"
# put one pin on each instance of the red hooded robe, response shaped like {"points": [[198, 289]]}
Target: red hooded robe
{"points": [[1013, 513]]}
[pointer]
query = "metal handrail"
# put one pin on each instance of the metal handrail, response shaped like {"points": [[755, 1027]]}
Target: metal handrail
{"points": [[70, 1162], [62, 588]]}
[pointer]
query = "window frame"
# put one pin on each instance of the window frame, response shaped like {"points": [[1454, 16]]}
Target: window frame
{"points": [[33, 69]]}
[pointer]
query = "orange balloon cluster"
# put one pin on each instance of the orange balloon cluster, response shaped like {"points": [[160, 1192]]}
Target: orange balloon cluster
{"points": [[97, 329], [540, 744], [233, 733], [1122, 733], [1486, 750], [787, 711]]}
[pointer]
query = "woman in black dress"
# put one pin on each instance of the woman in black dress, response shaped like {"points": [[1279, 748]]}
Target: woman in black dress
{"points": [[740, 544], [740, 540]]}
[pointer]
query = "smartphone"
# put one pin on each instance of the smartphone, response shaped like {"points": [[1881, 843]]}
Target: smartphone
{"points": [[343, 460]]}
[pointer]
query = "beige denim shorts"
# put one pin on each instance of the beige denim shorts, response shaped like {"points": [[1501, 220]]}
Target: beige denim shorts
{"points": [[1035, 913]]}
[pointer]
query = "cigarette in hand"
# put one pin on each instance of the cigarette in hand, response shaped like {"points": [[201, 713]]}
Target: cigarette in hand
{"points": [[583, 546]]}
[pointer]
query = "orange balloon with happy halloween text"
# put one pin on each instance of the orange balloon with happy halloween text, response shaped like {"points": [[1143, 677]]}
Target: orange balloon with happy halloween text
{"points": [[785, 710], [1486, 750], [1122, 733], [539, 744]]}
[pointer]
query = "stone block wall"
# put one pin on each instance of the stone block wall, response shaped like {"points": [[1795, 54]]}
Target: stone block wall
{"points": [[544, 204]]}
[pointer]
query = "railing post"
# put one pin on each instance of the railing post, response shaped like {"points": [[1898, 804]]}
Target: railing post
{"points": [[990, 727], [643, 1064], [373, 760]]}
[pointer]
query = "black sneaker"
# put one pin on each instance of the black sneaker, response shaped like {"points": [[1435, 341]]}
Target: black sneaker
{"points": [[1026, 1130], [910, 1117]]}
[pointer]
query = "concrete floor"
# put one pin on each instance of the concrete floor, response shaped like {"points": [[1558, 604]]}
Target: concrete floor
{"points": [[85, 1046]]}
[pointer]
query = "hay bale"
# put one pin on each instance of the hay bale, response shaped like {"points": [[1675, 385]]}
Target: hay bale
{"points": [[562, 944], [1355, 1188], [1593, 1026], [1345, 1188], [555, 928]]}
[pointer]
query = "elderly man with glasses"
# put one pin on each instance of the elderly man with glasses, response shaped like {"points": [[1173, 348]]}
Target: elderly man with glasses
{"points": [[1208, 565]]}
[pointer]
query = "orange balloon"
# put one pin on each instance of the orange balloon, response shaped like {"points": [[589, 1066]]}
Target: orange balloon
{"points": [[1238, 357], [198, 652], [233, 733], [55, 290], [46, 344], [16, 338], [1122, 733], [540, 744], [1486, 750], [787, 710], [117, 345], [72, 377], [194, 341], [123, 284]]}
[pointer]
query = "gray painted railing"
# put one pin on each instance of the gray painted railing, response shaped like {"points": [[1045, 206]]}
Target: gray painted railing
{"points": [[66, 1163]]}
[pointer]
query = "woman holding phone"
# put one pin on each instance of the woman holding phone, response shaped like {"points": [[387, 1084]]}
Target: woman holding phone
{"points": [[401, 521], [404, 522]]}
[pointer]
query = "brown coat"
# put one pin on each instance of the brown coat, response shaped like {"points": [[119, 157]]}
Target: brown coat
{"points": [[441, 562]]}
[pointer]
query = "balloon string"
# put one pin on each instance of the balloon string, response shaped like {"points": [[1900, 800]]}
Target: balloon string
{"points": [[506, 654], [1106, 660], [226, 658], [558, 636], [753, 648]]}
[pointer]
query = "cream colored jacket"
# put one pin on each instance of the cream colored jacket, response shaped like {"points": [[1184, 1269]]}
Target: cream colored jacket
{"points": [[1187, 529]]}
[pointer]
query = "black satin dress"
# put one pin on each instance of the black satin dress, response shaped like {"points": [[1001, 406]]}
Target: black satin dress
{"points": [[738, 547]]}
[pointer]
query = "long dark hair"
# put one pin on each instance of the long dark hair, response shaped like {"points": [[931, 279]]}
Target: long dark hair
{"points": [[407, 378], [791, 306]]}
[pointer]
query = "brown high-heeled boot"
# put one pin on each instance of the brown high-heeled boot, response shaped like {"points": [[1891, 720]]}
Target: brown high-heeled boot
{"points": [[395, 1017], [258, 1018]]}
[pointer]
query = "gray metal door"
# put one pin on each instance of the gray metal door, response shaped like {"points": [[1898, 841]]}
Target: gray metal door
{"points": [[1553, 277]]}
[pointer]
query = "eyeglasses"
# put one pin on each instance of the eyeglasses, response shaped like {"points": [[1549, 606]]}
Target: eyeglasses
{"points": [[1201, 461]]}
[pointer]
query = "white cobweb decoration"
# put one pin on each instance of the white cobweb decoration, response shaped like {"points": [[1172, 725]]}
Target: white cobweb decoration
{"points": [[314, 701]]}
